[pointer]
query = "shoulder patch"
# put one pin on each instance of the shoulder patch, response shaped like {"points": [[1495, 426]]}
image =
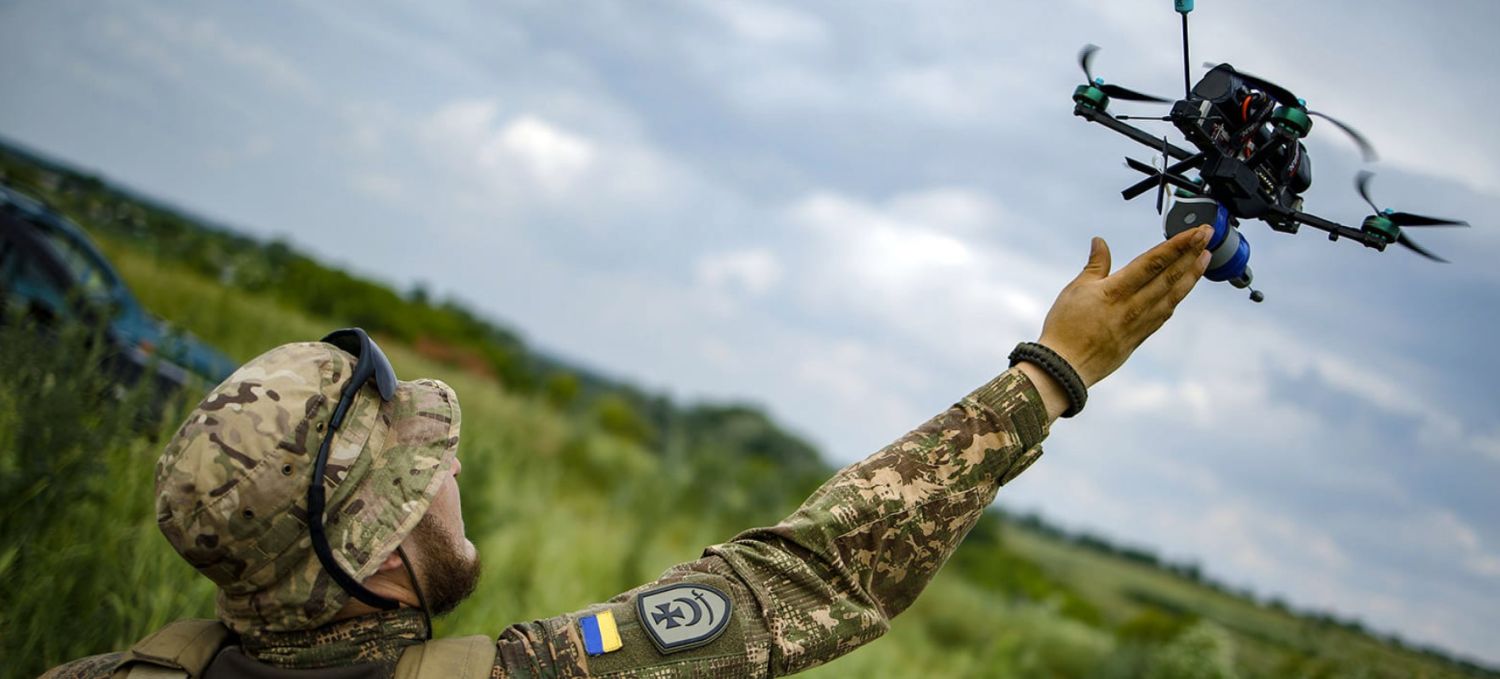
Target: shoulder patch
{"points": [[684, 615]]}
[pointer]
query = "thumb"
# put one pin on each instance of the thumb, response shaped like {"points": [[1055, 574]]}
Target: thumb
{"points": [[1098, 266]]}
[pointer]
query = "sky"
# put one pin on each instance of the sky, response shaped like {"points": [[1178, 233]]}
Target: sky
{"points": [[849, 212]]}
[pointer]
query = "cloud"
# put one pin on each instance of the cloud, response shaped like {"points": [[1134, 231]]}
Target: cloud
{"points": [[754, 271], [906, 264], [879, 249], [171, 44], [525, 149], [770, 25], [554, 158], [510, 162]]}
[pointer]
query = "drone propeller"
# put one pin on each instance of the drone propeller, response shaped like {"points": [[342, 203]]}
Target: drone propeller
{"points": [[1161, 185], [1153, 172], [1411, 245], [1178, 167], [1285, 97], [1362, 182], [1281, 94], [1365, 149], [1086, 56], [1402, 219]]}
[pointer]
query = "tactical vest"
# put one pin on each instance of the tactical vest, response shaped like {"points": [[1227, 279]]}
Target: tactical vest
{"points": [[187, 648]]}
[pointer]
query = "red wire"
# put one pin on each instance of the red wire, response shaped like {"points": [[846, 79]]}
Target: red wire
{"points": [[1245, 109]]}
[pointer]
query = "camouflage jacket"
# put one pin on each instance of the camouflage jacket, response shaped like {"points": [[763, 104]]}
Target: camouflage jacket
{"points": [[770, 602]]}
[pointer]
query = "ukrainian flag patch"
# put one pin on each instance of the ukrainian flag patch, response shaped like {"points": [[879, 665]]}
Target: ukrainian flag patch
{"points": [[600, 635]]}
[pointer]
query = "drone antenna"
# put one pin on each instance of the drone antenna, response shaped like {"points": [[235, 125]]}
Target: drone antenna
{"points": [[1183, 7]]}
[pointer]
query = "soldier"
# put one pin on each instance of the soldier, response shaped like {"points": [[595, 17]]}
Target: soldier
{"points": [[320, 494]]}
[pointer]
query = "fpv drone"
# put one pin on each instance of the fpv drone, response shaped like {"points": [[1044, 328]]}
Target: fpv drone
{"points": [[1250, 162]]}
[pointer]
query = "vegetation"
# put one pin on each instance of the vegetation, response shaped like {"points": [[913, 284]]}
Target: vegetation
{"points": [[574, 489]]}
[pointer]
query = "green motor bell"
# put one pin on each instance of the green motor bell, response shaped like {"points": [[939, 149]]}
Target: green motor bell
{"points": [[1381, 227], [1091, 96], [1294, 120]]}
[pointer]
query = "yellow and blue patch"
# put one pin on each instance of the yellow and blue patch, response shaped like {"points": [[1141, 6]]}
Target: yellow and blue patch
{"points": [[600, 635]]}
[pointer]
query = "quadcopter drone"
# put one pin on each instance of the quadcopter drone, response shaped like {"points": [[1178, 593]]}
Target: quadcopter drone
{"points": [[1250, 162]]}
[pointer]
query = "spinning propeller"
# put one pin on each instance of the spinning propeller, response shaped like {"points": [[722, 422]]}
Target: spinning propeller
{"points": [[1387, 224], [1086, 57], [1285, 97]]}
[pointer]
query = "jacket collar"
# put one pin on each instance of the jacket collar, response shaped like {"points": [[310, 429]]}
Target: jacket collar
{"points": [[374, 638]]}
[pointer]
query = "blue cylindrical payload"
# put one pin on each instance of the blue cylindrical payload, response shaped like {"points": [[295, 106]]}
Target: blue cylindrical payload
{"points": [[1229, 251]]}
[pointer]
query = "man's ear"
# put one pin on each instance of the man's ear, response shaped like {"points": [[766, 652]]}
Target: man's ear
{"points": [[392, 562]]}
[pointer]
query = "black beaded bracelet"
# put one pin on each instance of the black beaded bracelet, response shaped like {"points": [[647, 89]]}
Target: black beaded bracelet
{"points": [[1058, 368]]}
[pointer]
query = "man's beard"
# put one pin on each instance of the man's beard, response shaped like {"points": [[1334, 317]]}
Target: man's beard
{"points": [[447, 577]]}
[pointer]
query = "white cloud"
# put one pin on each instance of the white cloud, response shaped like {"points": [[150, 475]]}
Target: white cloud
{"points": [[957, 211], [504, 161], [1134, 395], [879, 249], [912, 265], [555, 158]]}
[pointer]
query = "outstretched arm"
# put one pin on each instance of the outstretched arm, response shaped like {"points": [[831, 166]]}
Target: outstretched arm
{"points": [[830, 577]]}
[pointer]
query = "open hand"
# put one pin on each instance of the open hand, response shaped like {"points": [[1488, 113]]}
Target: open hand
{"points": [[1100, 318]]}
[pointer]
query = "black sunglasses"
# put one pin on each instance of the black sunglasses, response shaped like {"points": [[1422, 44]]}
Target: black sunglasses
{"points": [[370, 363]]}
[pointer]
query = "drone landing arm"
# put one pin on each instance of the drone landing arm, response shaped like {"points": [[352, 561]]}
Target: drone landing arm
{"points": [[1335, 230], [1096, 116]]}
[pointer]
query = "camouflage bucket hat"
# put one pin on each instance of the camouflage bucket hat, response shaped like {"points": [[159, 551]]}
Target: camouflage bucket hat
{"points": [[232, 483]]}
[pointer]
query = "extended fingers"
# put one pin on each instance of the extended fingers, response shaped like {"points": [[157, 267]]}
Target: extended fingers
{"points": [[1174, 283], [1166, 303], [1162, 259], [1149, 307]]}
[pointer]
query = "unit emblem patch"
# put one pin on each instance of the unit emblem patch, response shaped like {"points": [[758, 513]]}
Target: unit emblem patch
{"points": [[683, 616]]}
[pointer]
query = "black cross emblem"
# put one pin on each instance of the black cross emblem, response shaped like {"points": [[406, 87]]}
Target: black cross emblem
{"points": [[668, 614]]}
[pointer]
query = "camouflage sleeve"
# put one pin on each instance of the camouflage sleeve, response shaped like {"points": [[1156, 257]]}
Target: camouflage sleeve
{"points": [[825, 580]]}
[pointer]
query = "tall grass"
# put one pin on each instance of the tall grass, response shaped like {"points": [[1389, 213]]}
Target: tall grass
{"points": [[78, 527]]}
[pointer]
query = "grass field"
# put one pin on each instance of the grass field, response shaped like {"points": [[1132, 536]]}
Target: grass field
{"points": [[566, 512]]}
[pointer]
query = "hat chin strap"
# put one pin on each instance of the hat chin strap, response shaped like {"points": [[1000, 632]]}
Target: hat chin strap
{"points": [[416, 587]]}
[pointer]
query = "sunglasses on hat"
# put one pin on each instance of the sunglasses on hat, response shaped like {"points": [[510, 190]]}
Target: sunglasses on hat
{"points": [[370, 364]]}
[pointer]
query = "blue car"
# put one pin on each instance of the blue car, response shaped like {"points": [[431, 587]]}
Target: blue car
{"points": [[50, 271]]}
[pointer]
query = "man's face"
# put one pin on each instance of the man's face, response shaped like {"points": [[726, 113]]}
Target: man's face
{"points": [[449, 562], [448, 513]]}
